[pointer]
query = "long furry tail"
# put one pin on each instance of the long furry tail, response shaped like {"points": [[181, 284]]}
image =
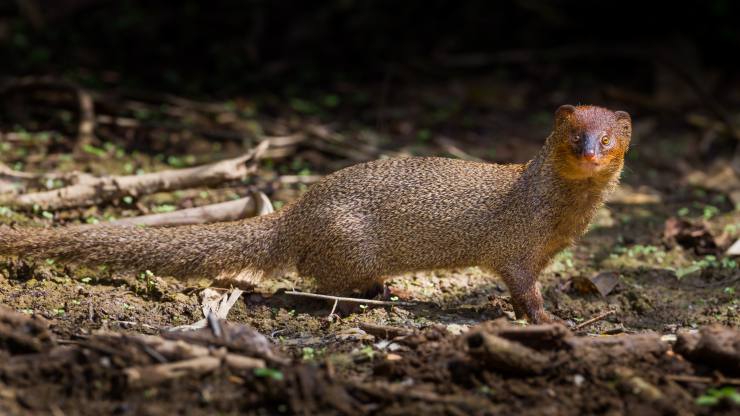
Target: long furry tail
{"points": [[219, 250]]}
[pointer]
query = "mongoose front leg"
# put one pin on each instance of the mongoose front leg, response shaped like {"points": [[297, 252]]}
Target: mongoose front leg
{"points": [[525, 295]]}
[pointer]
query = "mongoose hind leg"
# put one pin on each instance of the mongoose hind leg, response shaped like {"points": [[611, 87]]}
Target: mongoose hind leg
{"points": [[359, 287]]}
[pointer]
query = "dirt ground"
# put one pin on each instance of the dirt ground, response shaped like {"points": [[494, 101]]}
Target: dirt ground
{"points": [[57, 354]]}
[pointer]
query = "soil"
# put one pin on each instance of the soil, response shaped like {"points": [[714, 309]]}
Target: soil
{"points": [[67, 363]]}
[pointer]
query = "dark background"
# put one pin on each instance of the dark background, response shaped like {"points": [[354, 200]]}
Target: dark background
{"points": [[463, 62], [226, 47]]}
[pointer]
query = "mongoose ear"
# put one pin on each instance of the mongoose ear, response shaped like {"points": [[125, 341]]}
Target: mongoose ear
{"points": [[624, 123], [564, 111]]}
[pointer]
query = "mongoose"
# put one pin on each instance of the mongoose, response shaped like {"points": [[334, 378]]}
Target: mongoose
{"points": [[364, 223]]}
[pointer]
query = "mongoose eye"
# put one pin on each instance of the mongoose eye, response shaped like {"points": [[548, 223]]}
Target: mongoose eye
{"points": [[605, 140], [576, 138]]}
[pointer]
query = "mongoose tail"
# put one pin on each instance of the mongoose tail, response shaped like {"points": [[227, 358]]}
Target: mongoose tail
{"points": [[237, 249]]}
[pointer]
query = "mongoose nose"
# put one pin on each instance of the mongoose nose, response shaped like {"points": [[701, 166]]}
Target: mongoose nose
{"points": [[590, 155]]}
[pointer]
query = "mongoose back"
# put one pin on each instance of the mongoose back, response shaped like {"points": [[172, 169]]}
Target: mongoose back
{"points": [[362, 224]]}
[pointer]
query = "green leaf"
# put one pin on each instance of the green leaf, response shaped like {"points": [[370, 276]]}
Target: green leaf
{"points": [[88, 148], [269, 373]]}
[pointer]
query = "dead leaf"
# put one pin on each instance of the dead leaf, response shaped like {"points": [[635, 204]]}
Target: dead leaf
{"points": [[689, 235], [354, 334], [602, 283], [213, 302], [584, 285], [605, 282], [734, 249]]}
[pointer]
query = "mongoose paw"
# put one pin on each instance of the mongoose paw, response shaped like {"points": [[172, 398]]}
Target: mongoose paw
{"points": [[547, 318]]}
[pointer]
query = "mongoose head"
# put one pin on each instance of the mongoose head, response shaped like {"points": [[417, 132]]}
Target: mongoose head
{"points": [[590, 141]]}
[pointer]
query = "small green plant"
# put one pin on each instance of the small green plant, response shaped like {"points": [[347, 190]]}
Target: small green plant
{"points": [[269, 373], [304, 106], [705, 263], [640, 251], [159, 209], [728, 263], [563, 261], [95, 151], [731, 229], [709, 212], [714, 396], [368, 352], [331, 100], [149, 280], [423, 135], [309, 354]]}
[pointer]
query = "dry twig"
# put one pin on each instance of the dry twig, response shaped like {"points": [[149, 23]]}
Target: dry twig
{"points": [[98, 190], [343, 299], [452, 148], [595, 319], [686, 378]]}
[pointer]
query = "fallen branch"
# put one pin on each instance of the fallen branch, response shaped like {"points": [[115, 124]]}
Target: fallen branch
{"points": [[384, 331], [540, 348], [506, 356], [151, 375], [452, 148], [20, 333], [280, 146], [250, 206], [545, 336], [6, 172], [630, 381], [99, 190], [469, 404], [713, 346], [593, 320], [686, 378], [305, 179], [352, 300]]}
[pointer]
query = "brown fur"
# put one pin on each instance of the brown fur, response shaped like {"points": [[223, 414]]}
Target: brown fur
{"points": [[367, 222]]}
